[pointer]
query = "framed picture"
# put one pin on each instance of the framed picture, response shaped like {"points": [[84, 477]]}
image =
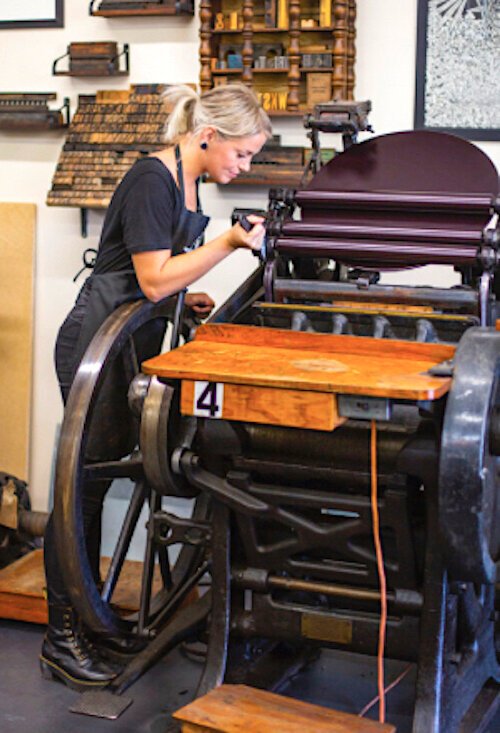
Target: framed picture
{"points": [[31, 14], [458, 62]]}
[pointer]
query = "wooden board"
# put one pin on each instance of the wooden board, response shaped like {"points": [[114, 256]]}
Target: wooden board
{"points": [[22, 588], [17, 248], [237, 708], [269, 406], [311, 362]]}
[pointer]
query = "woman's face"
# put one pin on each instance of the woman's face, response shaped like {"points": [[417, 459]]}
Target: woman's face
{"points": [[227, 158]]}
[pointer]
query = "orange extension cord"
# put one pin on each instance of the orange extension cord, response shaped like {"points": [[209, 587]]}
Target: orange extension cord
{"points": [[386, 690], [381, 573], [382, 690]]}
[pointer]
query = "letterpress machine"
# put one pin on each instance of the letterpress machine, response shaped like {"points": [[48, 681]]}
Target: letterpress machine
{"points": [[314, 393]]}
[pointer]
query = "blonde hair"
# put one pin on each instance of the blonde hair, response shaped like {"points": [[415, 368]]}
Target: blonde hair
{"points": [[232, 109]]}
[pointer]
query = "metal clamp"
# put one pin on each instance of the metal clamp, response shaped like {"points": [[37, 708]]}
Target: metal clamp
{"points": [[171, 530]]}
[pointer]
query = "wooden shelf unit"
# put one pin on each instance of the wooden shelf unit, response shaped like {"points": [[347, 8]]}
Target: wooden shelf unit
{"points": [[337, 38]]}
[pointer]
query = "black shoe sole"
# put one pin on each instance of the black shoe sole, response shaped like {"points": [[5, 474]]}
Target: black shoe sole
{"points": [[52, 671]]}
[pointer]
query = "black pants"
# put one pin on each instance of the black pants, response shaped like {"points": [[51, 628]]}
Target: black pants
{"points": [[93, 491]]}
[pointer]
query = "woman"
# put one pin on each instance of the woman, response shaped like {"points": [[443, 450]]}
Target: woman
{"points": [[149, 247]]}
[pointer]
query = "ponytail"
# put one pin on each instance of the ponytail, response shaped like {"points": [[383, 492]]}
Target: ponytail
{"points": [[180, 102], [232, 109]]}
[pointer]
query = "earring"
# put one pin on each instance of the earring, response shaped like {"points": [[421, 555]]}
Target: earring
{"points": [[203, 146]]}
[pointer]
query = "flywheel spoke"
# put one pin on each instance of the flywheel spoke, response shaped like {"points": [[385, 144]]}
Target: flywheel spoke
{"points": [[149, 563], [124, 539], [109, 470]]}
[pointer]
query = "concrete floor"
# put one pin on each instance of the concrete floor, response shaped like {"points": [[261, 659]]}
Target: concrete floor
{"points": [[30, 704]]}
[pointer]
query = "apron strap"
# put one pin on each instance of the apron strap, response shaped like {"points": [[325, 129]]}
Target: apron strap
{"points": [[181, 295], [180, 174], [180, 180]]}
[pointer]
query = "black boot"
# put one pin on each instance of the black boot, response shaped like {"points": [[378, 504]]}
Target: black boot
{"points": [[68, 656]]}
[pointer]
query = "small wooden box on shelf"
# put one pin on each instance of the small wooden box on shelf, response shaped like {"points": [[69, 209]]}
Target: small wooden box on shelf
{"points": [[93, 58], [275, 45]]}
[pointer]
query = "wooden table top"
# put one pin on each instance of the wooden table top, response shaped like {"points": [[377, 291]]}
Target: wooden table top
{"points": [[314, 362]]}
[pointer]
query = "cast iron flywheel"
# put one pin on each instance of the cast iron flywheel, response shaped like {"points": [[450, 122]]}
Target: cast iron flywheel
{"points": [[469, 486]]}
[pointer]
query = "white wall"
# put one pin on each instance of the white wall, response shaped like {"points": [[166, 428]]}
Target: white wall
{"points": [[161, 50]]}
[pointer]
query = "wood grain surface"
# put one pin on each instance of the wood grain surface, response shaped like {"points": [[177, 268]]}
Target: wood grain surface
{"points": [[270, 406], [312, 362], [17, 261], [242, 709]]}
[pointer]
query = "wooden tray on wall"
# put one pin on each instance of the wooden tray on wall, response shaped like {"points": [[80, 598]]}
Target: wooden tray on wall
{"points": [[117, 8]]}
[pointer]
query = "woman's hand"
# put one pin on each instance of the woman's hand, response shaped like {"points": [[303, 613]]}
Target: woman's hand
{"points": [[240, 239], [201, 303]]}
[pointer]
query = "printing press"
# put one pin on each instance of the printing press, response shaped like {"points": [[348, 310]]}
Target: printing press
{"points": [[314, 385]]}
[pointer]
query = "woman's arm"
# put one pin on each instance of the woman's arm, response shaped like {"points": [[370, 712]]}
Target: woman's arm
{"points": [[160, 275]]}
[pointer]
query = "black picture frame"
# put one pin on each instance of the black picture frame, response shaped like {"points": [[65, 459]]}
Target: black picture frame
{"points": [[55, 18], [422, 117]]}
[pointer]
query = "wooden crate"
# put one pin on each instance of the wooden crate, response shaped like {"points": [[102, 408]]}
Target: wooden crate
{"points": [[93, 56]]}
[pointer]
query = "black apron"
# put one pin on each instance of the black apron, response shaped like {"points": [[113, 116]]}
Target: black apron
{"points": [[112, 435], [109, 290]]}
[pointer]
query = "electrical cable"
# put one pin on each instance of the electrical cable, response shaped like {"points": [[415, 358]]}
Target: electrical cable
{"points": [[381, 573], [390, 687]]}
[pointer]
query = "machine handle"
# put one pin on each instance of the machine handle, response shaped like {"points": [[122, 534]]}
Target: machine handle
{"points": [[242, 219], [245, 223]]}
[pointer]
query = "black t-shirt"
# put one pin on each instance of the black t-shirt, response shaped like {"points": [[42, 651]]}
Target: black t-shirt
{"points": [[141, 216]]}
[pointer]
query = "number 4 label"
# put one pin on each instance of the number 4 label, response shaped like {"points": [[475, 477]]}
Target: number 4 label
{"points": [[208, 399]]}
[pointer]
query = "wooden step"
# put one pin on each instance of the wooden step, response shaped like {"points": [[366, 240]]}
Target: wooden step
{"points": [[237, 708], [22, 588]]}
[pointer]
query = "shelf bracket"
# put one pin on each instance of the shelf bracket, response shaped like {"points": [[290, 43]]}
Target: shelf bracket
{"points": [[54, 65], [125, 53], [65, 111], [84, 221]]}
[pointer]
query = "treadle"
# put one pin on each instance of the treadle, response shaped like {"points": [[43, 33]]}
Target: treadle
{"points": [[101, 704], [233, 708], [22, 588]]}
